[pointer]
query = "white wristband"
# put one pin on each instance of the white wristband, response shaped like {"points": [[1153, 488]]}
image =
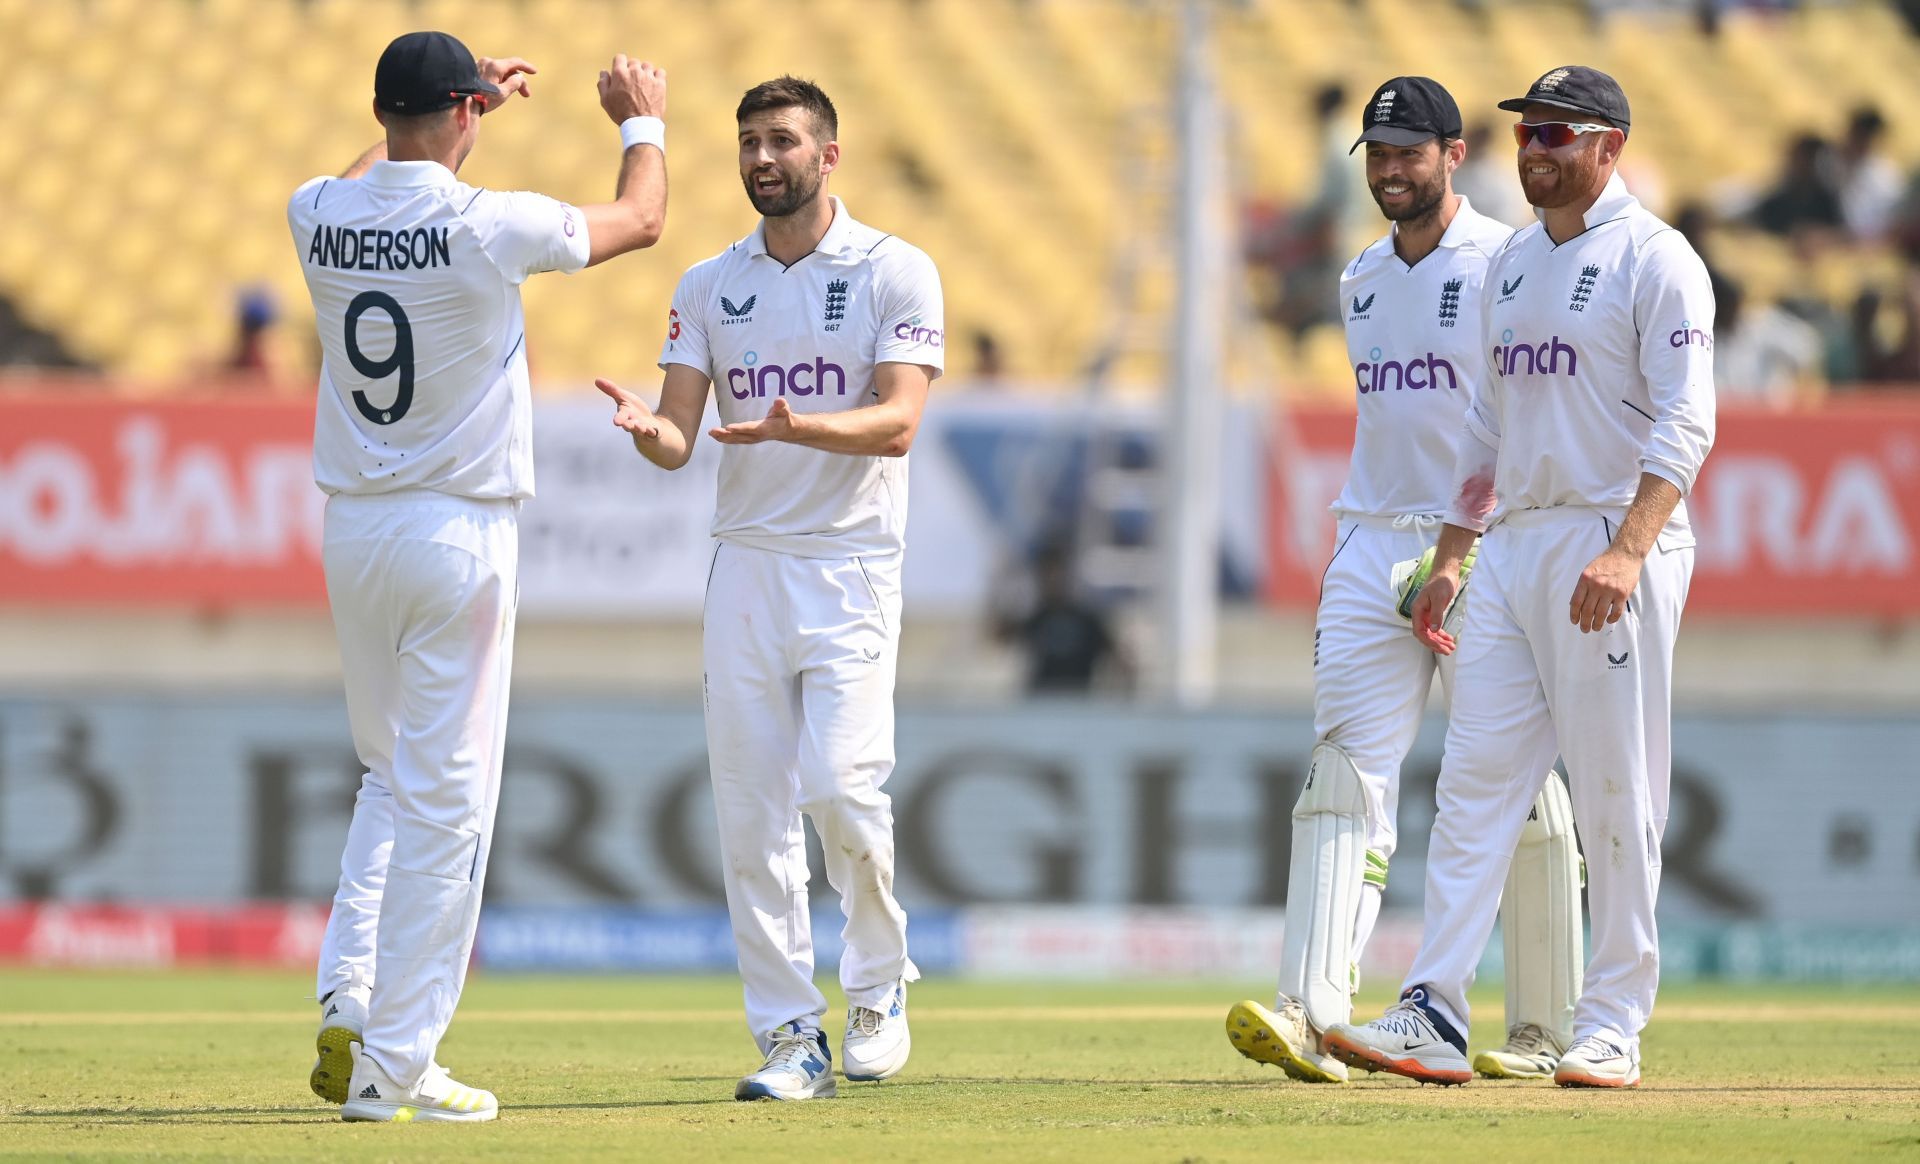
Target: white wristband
{"points": [[643, 131]]}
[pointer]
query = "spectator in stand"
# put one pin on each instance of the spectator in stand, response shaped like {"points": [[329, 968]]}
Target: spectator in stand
{"points": [[1069, 642], [988, 364], [1762, 355], [1305, 247], [254, 317], [1696, 223], [1871, 184], [1805, 204], [1881, 361]]}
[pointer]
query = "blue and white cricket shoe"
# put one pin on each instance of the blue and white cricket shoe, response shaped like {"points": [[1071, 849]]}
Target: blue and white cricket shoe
{"points": [[1411, 1039], [798, 1066], [877, 1042]]}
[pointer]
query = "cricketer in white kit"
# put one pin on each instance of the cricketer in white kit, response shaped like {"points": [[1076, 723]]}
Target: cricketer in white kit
{"points": [[1412, 306], [422, 443], [820, 337], [1589, 428]]}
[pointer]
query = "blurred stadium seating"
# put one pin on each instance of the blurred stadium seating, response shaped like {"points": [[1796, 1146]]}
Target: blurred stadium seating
{"points": [[1022, 142]]}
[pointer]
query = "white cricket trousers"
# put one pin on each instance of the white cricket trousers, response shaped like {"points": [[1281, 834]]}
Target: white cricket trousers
{"points": [[800, 656], [424, 588], [1370, 675], [1531, 685]]}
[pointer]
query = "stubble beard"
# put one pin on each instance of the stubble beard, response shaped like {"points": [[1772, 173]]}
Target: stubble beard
{"points": [[1424, 207], [796, 197]]}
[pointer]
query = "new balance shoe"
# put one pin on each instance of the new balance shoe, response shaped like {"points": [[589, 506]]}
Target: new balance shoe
{"points": [[798, 1066], [377, 1098], [1285, 1040], [343, 1015], [1596, 1061], [1529, 1053], [877, 1042], [1411, 1039]]}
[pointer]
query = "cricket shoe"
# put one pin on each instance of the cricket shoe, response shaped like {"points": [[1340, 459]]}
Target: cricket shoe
{"points": [[877, 1042], [1411, 1039], [1529, 1053], [798, 1066], [1594, 1061], [1286, 1040], [343, 1015], [377, 1098]]}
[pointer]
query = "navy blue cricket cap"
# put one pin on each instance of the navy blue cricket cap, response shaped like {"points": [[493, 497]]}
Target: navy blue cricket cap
{"points": [[424, 72], [1580, 89], [1407, 111]]}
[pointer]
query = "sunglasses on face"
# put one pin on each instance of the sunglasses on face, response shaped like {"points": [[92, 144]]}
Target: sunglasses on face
{"points": [[1553, 134]]}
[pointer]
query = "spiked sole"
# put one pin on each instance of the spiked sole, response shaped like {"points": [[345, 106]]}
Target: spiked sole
{"points": [[747, 1090], [1571, 1079], [359, 1111], [333, 1070], [1252, 1030], [1490, 1066], [1371, 1060]]}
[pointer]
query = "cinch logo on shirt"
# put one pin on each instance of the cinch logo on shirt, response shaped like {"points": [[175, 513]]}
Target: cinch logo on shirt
{"points": [[912, 332], [801, 379], [1419, 372], [1541, 359], [1688, 336]]}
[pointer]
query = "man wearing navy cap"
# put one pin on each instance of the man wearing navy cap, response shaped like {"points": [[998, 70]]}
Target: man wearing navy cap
{"points": [[422, 444], [1582, 438], [1412, 308]]}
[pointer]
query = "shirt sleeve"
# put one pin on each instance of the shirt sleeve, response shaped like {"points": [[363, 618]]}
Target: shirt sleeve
{"points": [[525, 234], [686, 340], [1673, 311], [1477, 452], [913, 328]]}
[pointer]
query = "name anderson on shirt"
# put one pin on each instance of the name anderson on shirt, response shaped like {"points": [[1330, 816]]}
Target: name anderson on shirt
{"points": [[380, 250]]}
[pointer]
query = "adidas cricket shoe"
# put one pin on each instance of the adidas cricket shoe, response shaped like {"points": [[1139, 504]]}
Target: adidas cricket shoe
{"points": [[1594, 1061], [798, 1066], [877, 1042], [437, 1096], [1529, 1053], [1285, 1040], [343, 1015], [1411, 1039]]}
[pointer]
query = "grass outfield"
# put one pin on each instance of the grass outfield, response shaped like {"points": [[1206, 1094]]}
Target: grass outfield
{"points": [[205, 1065]]}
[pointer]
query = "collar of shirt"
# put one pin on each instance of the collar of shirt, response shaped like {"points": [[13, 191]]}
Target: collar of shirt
{"points": [[1454, 236], [839, 234], [408, 174], [1613, 202]]}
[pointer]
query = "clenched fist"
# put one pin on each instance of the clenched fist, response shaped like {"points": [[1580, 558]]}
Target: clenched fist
{"points": [[630, 88]]}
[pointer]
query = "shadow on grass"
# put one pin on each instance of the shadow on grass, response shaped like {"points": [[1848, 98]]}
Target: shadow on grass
{"points": [[301, 1115]]}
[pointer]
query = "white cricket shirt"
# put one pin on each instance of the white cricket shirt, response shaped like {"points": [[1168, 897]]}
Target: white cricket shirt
{"points": [[1599, 367], [1413, 337], [811, 332], [415, 279]]}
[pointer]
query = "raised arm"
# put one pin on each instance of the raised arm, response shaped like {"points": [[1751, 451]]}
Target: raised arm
{"points": [[634, 95]]}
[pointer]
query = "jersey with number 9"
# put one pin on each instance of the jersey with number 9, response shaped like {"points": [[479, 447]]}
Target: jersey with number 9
{"points": [[415, 279]]}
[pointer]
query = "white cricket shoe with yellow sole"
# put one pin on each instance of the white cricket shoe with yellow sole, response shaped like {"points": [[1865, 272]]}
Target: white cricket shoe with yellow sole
{"points": [[1285, 1040], [1529, 1053], [343, 1015], [377, 1098]]}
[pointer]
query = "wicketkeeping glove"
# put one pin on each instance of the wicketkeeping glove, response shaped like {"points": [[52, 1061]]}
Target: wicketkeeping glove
{"points": [[1410, 576]]}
